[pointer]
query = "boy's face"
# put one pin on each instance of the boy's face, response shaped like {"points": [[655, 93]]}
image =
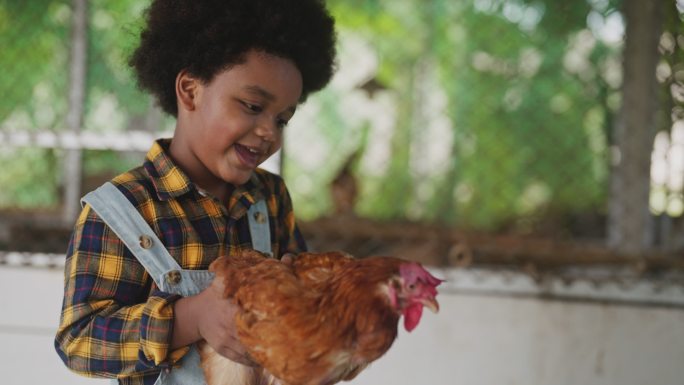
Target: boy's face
{"points": [[233, 123]]}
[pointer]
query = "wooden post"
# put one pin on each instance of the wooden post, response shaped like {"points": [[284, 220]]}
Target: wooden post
{"points": [[630, 225], [74, 119]]}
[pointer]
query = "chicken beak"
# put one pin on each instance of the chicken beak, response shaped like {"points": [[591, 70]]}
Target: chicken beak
{"points": [[431, 303]]}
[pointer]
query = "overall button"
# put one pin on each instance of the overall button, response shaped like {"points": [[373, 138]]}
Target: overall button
{"points": [[173, 277], [260, 217], [145, 241]]}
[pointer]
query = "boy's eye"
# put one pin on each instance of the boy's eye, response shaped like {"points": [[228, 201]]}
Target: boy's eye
{"points": [[282, 123], [252, 107]]}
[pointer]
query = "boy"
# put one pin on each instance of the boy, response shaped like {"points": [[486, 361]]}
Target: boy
{"points": [[137, 294]]}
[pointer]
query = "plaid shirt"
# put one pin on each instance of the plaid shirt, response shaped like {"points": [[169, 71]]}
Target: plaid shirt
{"points": [[114, 321]]}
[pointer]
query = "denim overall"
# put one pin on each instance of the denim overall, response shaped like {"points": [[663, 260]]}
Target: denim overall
{"points": [[121, 216]]}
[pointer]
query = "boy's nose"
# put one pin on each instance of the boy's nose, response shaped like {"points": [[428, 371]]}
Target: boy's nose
{"points": [[267, 129]]}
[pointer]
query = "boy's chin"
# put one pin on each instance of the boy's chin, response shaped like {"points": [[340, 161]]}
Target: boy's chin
{"points": [[239, 179]]}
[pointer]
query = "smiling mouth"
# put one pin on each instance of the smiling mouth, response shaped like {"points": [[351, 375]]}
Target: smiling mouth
{"points": [[248, 156]]}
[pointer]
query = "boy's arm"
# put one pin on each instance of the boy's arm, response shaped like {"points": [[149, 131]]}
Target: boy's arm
{"points": [[209, 316], [110, 323]]}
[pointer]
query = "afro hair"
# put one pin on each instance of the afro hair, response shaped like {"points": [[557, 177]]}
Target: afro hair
{"points": [[205, 37]]}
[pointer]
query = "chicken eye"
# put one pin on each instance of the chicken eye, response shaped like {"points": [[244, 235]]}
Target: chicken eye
{"points": [[412, 286]]}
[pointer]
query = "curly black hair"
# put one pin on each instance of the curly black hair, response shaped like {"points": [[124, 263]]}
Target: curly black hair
{"points": [[205, 37]]}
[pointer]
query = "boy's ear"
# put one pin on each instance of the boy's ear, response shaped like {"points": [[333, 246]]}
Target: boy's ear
{"points": [[187, 87]]}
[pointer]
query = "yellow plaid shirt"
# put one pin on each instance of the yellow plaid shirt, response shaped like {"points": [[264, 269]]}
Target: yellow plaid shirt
{"points": [[114, 322]]}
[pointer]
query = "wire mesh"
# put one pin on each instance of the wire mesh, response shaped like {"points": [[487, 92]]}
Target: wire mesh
{"points": [[482, 115]]}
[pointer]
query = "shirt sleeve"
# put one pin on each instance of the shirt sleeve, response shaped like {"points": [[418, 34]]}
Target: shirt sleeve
{"points": [[112, 322]]}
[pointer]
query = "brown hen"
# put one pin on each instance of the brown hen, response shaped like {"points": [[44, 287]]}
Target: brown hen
{"points": [[317, 321]]}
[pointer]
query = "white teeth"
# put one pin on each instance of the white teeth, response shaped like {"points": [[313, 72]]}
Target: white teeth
{"points": [[253, 151]]}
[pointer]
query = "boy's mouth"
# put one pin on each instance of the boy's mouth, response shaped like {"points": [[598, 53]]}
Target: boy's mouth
{"points": [[248, 156]]}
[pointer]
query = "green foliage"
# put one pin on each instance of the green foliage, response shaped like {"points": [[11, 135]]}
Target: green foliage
{"points": [[109, 162], [529, 131], [526, 129], [33, 40], [32, 182], [112, 37], [529, 127]]}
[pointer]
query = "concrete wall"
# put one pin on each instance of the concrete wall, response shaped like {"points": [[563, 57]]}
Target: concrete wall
{"points": [[497, 340], [474, 340]]}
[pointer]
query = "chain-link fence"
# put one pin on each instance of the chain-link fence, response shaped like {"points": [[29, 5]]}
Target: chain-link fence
{"points": [[473, 117]]}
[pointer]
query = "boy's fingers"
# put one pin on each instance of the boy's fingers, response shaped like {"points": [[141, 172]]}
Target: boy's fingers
{"points": [[240, 357], [287, 258]]}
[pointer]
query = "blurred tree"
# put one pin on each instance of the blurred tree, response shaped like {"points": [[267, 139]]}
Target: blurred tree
{"points": [[502, 112], [527, 98], [631, 225], [34, 40], [114, 102], [531, 79], [35, 37]]}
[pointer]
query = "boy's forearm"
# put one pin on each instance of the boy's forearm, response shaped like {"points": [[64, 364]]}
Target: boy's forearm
{"points": [[185, 330]]}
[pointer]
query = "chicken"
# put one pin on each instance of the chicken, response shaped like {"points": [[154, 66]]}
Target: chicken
{"points": [[317, 321], [344, 188]]}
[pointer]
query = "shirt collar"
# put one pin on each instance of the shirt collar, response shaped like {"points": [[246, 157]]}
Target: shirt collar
{"points": [[171, 182]]}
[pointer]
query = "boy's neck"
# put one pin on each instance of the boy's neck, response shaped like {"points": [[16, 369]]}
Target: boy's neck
{"points": [[222, 193]]}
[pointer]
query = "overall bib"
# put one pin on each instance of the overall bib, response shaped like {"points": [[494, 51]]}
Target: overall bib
{"points": [[122, 217]]}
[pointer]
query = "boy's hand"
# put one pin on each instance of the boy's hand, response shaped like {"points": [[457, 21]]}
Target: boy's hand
{"points": [[216, 324], [288, 259], [211, 317]]}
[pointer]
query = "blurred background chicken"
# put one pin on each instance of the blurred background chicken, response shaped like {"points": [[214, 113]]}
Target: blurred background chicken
{"points": [[317, 321], [344, 188]]}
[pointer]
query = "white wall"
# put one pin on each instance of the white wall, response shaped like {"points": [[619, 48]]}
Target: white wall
{"points": [[497, 340], [30, 302], [475, 339]]}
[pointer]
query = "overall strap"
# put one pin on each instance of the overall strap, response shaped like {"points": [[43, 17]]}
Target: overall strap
{"points": [[259, 228], [121, 216]]}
